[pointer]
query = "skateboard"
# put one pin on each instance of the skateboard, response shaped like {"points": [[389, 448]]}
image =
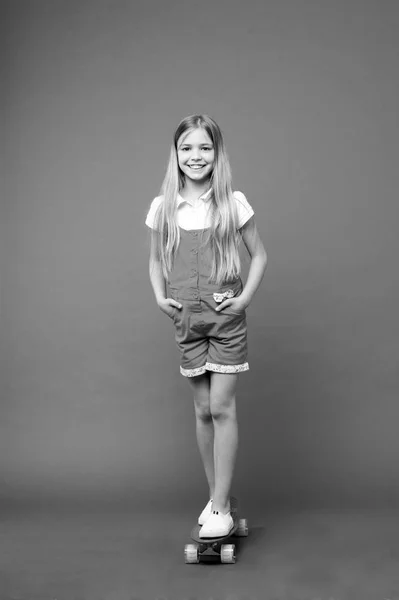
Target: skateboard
{"points": [[216, 547]]}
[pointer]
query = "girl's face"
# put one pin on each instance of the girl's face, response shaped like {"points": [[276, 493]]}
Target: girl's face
{"points": [[196, 155]]}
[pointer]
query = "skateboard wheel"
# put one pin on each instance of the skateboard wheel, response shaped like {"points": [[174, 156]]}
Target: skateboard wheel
{"points": [[191, 554], [228, 553], [242, 529]]}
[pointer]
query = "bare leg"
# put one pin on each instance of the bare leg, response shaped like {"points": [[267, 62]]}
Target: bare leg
{"points": [[223, 411], [204, 426]]}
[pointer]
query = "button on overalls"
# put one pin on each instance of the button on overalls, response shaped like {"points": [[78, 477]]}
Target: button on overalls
{"points": [[207, 340]]}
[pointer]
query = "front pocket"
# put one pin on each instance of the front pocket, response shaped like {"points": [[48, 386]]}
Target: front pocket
{"points": [[174, 295], [178, 314], [233, 313]]}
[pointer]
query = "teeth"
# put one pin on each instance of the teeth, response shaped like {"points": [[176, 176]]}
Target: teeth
{"points": [[196, 168]]}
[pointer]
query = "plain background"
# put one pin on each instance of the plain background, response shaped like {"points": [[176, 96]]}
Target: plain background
{"points": [[93, 407]]}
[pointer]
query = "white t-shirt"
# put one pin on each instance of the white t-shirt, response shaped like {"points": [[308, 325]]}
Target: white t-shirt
{"points": [[190, 216]]}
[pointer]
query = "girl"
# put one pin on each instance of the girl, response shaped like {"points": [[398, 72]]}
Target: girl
{"points": [[197, 224]]}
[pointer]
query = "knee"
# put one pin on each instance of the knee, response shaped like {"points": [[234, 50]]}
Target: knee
{"points": [[202, 409], [222, 408]]}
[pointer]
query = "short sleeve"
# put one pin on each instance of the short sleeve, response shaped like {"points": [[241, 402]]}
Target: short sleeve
{"points": [[152, 212], [244, 209]]}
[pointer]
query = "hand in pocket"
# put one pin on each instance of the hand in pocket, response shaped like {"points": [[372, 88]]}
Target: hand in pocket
{"points": [[169, 306]]}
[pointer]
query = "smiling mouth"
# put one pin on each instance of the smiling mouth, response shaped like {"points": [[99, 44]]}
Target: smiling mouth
{"points": [[196, 167]]}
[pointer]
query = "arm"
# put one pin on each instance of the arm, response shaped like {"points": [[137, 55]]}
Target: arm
{"points": [[159, 284], [156, 276], [157, 281], [258, 255]]}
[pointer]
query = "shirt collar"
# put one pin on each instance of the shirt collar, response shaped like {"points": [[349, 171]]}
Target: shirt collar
{"points": [[204, 197]]}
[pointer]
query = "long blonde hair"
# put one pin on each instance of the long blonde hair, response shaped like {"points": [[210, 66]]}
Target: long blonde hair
{"points": [[223, 234]]}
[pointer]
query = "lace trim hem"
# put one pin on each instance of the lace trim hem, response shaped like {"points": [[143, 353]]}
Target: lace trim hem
{"points": [[193, 372], [215, 368]]}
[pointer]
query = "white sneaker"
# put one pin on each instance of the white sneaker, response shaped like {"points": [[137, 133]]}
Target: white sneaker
{"points": [[218, 525], [206, 513]]}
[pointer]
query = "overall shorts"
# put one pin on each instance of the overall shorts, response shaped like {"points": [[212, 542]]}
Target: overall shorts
{"points": [[207, 340]]}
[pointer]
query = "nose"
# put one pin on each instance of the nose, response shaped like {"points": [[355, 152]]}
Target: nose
{"points": [[196, 155]]}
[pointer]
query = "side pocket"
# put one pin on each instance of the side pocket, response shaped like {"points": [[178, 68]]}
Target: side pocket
{"points": [[236, 291], [175, 296], [233, 313]]}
